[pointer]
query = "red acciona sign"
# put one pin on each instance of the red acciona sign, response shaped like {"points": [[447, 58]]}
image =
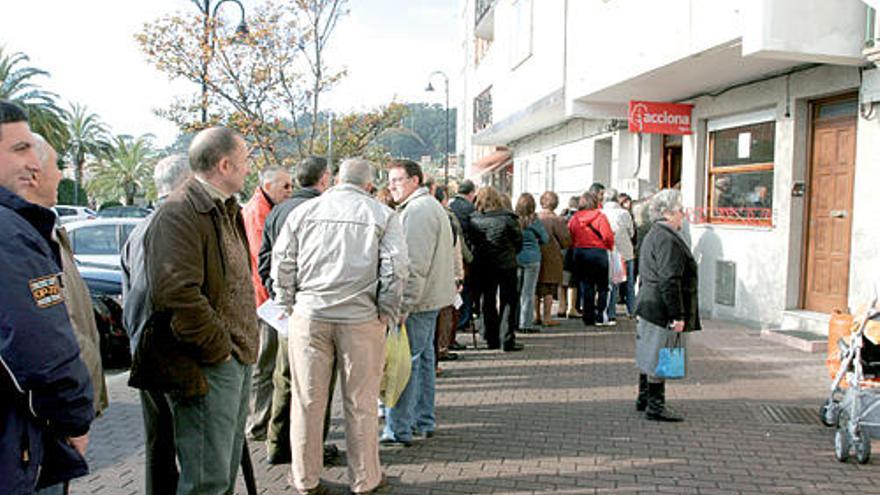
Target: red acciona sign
{"points": [[659, 118]]}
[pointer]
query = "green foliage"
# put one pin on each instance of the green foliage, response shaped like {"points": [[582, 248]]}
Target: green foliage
{"points": [[67, 192], [87, 137], [421, 133], [17, 85], [125, 171]]}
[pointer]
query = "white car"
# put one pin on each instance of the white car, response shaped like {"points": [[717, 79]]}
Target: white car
{"points": [[98, 242], [68, 213]]}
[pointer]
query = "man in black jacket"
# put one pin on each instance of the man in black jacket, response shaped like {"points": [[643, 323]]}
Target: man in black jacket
{"points": [[313, 177], [463, 207]]}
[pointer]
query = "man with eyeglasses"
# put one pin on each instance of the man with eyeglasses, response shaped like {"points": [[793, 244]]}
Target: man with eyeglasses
{"points": [[276, 185]]}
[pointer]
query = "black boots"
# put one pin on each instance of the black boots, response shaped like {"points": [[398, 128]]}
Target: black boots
{"points": [[657, 410], [642, 398]]}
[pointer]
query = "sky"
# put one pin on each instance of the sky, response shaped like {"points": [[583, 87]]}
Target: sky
{"points": [[389, 47]]}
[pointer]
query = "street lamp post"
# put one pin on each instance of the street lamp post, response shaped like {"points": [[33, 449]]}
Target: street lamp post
{"points": [[446, 130], [209, 37]]}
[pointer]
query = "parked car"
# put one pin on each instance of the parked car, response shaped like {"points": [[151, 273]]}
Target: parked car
{"points": [[105, 287], [124, 212], [73, 213], [98, 242]]}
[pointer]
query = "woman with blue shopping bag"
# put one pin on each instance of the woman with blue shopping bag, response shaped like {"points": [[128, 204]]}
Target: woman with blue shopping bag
{"points": [[667, 305]]}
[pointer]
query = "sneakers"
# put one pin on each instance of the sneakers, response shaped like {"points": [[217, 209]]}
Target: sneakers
{"points": [[513, 348], [609, 323], [395, 442]]}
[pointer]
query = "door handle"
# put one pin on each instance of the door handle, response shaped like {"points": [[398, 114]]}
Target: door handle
{"points": [[838, 213]]}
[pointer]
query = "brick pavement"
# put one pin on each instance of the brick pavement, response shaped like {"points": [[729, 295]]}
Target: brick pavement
{"points": [[559, 418]]}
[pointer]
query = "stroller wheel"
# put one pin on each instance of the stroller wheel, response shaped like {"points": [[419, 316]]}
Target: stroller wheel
{"points": [[841, 438], [863, 449], [829, 412], [841, 444]]}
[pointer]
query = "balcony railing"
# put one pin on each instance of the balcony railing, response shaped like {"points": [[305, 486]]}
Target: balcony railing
{"points": [[483, 110], [484, 19]]}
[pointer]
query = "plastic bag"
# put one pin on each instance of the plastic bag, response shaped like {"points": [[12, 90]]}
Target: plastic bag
{"points": [[617, 269], [398, 365], [671, 361]]}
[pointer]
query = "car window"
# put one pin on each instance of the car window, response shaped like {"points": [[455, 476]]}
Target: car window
{"points": [[63, 212], [98, 239], [126, 231]]}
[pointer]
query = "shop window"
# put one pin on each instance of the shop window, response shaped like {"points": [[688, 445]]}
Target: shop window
{"points": [[741, 174]]}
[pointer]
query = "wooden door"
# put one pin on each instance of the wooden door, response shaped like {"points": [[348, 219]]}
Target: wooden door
{"points": [[670, 168], [830, 208]]}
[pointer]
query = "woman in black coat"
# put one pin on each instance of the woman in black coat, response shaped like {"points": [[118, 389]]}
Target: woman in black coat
{"points": [[667, 303], [496, 238]]}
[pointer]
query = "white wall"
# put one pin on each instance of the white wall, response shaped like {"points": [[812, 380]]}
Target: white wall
{"points": [[615, 40], [515, 87], [767, 266]]}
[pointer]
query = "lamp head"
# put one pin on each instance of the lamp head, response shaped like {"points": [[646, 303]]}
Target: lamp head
{"points": [[430, 87], [242, 31]]}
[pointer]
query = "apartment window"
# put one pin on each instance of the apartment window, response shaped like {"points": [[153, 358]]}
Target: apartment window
{"points": [[521, 32], [741, 160]]}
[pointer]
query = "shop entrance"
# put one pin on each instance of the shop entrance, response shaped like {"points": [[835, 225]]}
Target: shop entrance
{"points": [[670, 168], [829, 224]]}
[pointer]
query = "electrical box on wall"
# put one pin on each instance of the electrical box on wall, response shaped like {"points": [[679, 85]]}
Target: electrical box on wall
{"points": [[725, 283]]}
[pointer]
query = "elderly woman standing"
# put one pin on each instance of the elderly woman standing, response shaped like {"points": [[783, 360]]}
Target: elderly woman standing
{"points": [[551, 259], [667, 302]]}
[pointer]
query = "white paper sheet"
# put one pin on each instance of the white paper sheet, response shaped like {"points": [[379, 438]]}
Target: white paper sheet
{"points": [[274, 315]]}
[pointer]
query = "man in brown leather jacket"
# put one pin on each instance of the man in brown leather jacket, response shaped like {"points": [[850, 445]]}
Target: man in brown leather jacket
{"points": [[205, 336]]}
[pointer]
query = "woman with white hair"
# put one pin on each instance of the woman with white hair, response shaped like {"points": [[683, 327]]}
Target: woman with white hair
{"points": [[667, 303]]}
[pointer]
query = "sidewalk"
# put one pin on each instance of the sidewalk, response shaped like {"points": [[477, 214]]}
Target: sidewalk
{"points": [[559, 418]]}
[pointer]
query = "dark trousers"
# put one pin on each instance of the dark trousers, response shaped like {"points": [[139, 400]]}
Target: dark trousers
{"points": [[492, 282], [161, 468], [591, 265], [278, 434]]}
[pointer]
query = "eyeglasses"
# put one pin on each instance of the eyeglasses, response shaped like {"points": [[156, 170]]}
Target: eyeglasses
{"points": [[398, 180]]}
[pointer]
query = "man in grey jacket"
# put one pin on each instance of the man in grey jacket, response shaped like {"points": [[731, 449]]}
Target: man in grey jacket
{"points": [[339, 266], [430, 286]]}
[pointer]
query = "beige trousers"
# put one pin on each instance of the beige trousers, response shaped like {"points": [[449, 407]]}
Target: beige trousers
{"points": [[360, 353]]}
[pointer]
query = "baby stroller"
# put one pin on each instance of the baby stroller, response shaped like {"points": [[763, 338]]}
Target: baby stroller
{"points": [[854, 405]]}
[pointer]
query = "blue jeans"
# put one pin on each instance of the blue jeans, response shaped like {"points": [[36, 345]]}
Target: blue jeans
{"points": [[415, 407], [209, 430], [528, 280], [611, 309], [591, 265], [464, 312]]}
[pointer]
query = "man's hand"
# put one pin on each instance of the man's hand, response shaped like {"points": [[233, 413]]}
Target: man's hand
{"points": [[677, 326], [80, 444], [384, 320], [402, 318]]}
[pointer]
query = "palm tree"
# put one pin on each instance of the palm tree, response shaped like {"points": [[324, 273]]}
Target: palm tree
{"points": [[125, 170], [17, 86], [88, 137]]}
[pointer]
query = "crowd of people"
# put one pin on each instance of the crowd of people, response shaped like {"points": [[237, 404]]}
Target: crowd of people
{"points": [[343, 262]]}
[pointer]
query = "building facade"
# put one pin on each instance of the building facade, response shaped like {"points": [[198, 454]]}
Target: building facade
{"points": [[776, 170]]}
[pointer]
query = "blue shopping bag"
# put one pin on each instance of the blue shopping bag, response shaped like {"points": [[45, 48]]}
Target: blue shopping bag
{"points": [[670, 361]]}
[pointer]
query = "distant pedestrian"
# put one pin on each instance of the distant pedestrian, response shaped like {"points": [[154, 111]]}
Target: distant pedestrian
{"points": [[462, 204], [429, 287], [275, 186], [624, 231], [528, 260], [205, 337], [569, 302], [46, 398], [339, 267], [591, 240], [313, 177], [447, 319], [497, 238], [550, 276], [667, 302]]}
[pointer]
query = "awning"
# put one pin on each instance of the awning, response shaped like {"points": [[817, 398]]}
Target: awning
{"points": [[490, 163]]}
